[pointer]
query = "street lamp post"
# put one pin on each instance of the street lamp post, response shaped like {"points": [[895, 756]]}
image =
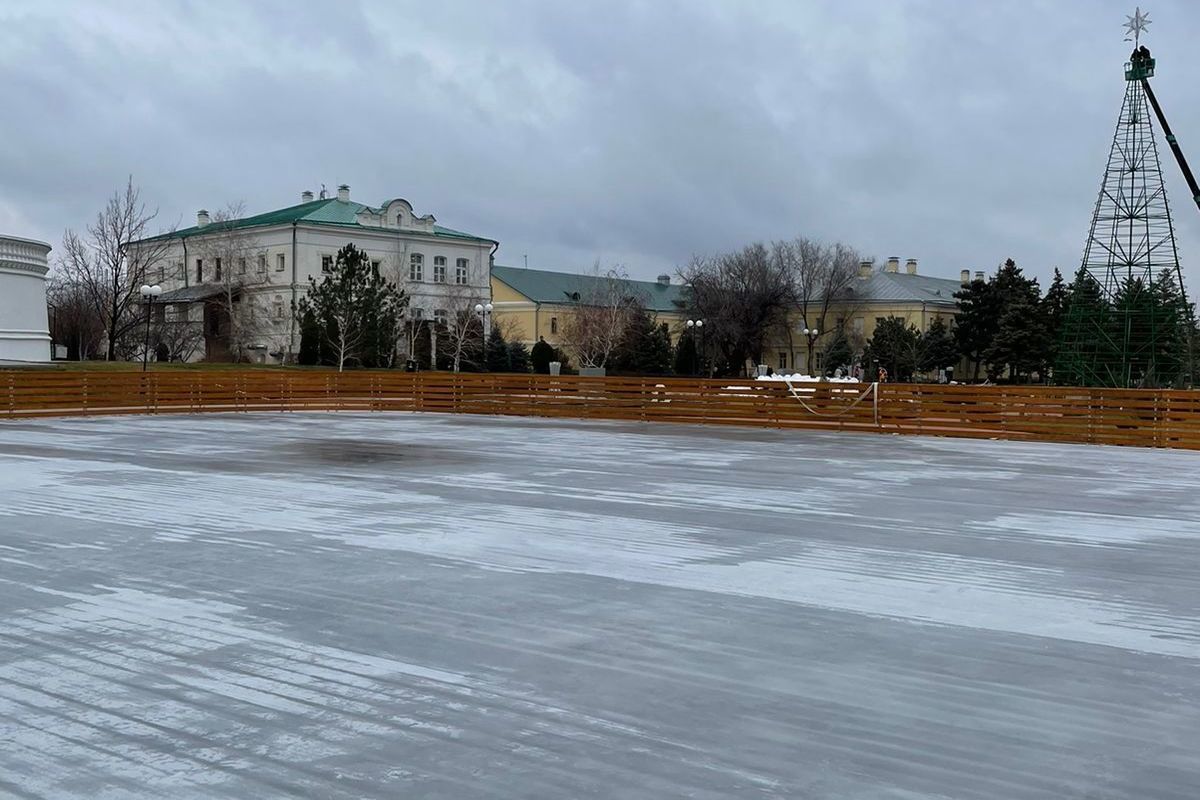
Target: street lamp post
{"points": [[148, 293], [698, 326], [811, 334], [484, 310]]}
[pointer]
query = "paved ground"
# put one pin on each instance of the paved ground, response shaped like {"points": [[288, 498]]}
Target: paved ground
{"points": [[351, 606]]}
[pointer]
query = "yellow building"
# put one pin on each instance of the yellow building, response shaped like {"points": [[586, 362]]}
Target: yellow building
{"points": [[532, 304], [875, 295]]}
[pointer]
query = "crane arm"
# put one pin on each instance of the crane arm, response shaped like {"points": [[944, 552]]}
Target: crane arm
{"points": [[1183, 165]]}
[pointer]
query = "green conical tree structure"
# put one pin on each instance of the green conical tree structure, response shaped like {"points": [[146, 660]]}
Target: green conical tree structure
{"points": [[1119, 331]]}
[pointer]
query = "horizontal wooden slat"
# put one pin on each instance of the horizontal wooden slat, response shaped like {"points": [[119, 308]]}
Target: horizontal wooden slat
{"points": [[1152, 418]]}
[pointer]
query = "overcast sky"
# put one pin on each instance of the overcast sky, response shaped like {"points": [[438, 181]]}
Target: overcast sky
{"points": [[630, 132]]}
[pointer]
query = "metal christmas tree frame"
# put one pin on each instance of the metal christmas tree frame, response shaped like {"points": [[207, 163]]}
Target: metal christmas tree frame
{"points": [[1118, 330]]}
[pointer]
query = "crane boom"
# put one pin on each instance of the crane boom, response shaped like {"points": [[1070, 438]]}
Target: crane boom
{"points": [[1183, 165]]}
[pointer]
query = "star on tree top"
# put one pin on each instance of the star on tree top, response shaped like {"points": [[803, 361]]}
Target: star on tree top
{"points": [[1137, 24]]}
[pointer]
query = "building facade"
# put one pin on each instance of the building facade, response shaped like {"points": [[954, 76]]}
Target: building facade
{"points": [[259, 267], [533, 304], [875, 294], [24, 328]]}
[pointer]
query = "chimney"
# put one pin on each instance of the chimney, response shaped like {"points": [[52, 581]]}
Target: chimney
{"points": [[910, 266], [664, 280], [979, 275], [201, 218], [965, 276], [306, 196], [893, 264], [865, 268], [344, 193]]}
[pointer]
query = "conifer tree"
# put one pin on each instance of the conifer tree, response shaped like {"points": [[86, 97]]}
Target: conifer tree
{"points": [[310, 339], [938, 349], [894, 346], [687, 360], [644, 347], [540, 357], [1055, 305], [976, 323], [496, 352], [518, 356], [357, 305]]}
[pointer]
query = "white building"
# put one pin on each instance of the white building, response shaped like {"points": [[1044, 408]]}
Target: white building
{"points": [[266, 260], [24, 332]]}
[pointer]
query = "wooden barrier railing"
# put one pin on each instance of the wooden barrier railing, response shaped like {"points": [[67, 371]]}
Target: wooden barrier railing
{"points": [[1149, 418]]}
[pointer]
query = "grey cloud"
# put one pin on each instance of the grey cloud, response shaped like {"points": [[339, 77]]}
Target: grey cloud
{"points": [[638, 132]]}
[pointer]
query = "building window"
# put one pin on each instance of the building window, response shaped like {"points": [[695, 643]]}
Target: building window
{"points": [[162, 273], [217, 270], [441, 317], [160, 313], [327, 264], [417, 314], [439, 269], [783, 359], [416, 267], [277, 307], [460, 271], [280, 262], [199, 270], [375, 266], [554, 324], [879, 321], [262, 263], [857, 325]]}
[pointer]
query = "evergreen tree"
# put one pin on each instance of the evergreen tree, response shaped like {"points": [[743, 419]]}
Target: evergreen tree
{"points": [[422, 346], [938, 349], [1087, 332], [496, 352], [976, 323], [1054, 314], [1171, 350], [518, 356], [1022, 344], [894, 346], [310, 339], [644, 347], [541, 356], [358, 307], [687, 360], [838, 352]]}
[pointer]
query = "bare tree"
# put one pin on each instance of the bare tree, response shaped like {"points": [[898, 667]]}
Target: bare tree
{"points": [[821, 277], [237, 263], [601, 313], [741, 297], [107, 269], [74, 320], [176, 338], [463, 327]]}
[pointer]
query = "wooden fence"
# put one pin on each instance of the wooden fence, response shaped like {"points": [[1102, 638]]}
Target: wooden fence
{"points": [[1149, 418]]}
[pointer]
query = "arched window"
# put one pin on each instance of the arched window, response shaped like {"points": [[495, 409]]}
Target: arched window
{"points": [[416, 267]]}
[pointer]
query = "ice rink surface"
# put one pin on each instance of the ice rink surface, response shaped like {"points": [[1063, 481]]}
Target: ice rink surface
{"points": [[396, 606]]}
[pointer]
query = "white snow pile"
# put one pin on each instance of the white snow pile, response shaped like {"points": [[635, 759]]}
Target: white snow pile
{"points": [[800, 378]]}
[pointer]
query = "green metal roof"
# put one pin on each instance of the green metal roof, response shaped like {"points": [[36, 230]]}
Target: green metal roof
{"points": [[544, 286], [330, 211], [900, 287]]}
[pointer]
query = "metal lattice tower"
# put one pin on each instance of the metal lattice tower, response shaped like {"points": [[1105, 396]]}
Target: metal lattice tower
{"points": [[1119, 330]]}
